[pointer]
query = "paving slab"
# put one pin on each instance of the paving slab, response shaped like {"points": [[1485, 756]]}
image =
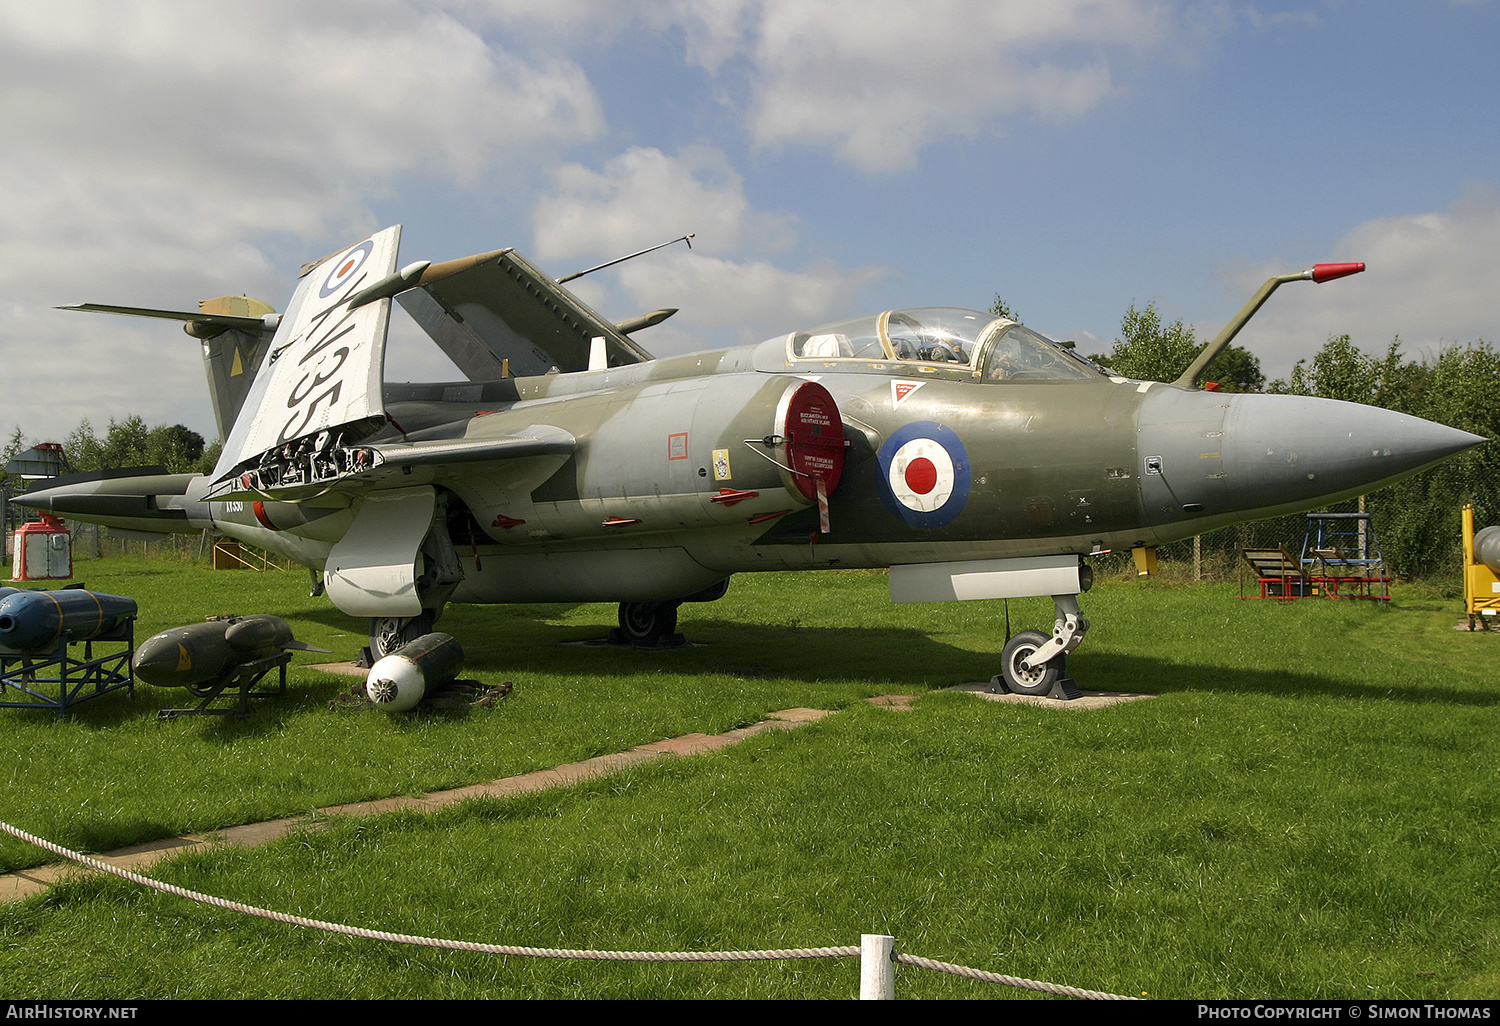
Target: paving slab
{"points": [[26, 882], [1090, 699]]}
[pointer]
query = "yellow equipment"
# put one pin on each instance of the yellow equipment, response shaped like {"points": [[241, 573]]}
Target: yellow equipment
{"points": [[1481, 571]]}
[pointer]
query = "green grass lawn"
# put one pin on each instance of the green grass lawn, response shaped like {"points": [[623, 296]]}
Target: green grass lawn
{"points": [[1308, 809]]}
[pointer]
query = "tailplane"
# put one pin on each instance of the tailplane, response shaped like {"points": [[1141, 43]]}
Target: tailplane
{"points": [[236, 332]]}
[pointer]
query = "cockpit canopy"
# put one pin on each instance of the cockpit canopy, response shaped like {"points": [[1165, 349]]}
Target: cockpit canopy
{"points": [[994, 349]]}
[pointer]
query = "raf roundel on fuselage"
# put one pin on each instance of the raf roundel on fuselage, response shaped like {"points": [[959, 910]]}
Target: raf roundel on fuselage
{"points": [[924, 474]]}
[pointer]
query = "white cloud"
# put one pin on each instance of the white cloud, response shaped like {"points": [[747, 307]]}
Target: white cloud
{"points": [[751, 300], [62, 367], [274, 99], [644, 196], [879, 81], [153, 151], [1431, 278]]}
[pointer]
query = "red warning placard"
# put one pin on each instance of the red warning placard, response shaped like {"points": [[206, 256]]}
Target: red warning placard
{"points": [[814, 436]]}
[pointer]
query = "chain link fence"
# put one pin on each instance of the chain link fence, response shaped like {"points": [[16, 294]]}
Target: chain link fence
{"points": [[1417, 526]]}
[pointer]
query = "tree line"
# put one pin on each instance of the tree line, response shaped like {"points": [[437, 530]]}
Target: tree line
{"points": [[125, 443]]}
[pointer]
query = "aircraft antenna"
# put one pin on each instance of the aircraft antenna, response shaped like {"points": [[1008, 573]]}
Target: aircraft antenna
{"points": [[688, 238]]}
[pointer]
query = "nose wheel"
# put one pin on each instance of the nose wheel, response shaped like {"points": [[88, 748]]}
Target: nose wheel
{"points": [[1022, 679], [1035, 664]]}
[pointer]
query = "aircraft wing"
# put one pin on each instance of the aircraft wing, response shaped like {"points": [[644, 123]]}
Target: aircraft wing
{"points": [[363, 468], [323, 372], [497, 315]]}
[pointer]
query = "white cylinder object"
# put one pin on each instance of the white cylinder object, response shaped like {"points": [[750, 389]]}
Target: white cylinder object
{"points": [[395, 684]]}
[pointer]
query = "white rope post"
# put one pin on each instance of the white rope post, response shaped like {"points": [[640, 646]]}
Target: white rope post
{"points": [[877, 967]]}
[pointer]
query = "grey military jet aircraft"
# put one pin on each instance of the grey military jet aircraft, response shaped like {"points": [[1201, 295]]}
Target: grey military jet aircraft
{"points": [[970, 455]]}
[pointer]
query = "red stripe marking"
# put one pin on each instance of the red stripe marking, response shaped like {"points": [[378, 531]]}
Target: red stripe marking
{"points": [[260, 514]]}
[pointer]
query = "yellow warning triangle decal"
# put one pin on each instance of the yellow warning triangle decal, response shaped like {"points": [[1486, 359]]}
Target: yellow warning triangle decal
{"points": [[236, 368]]}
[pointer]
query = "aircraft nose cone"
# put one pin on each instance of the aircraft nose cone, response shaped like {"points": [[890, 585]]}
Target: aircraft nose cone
{"points": [[1233, 457], [1301, 449]]}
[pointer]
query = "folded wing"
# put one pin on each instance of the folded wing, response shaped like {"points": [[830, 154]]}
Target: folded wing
{"points": [[497, 315], [321, 383]]}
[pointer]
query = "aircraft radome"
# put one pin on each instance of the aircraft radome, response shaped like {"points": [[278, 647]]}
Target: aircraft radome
{"points": [[973, 457]]}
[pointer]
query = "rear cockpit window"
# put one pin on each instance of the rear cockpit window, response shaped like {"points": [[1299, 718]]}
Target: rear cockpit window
{"points": [[854, 339]]}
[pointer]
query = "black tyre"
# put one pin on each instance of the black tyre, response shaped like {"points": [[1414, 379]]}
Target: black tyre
{"points": [[388, 633], [1029, 682], [647, 623]]}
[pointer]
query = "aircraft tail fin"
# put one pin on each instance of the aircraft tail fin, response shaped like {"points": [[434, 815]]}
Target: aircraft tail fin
{"points": [[232, 357]]}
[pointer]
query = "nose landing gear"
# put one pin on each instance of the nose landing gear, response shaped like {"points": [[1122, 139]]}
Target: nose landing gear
{"points": [[1033, 664]]}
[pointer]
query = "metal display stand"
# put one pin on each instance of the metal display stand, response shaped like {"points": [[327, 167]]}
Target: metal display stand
{"points": [[29, 672], [1481, 580], [1278, 571], [242, 679]]}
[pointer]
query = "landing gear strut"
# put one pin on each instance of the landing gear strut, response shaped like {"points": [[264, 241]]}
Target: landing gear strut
{"points": [[1034, 664], [436, 572]]}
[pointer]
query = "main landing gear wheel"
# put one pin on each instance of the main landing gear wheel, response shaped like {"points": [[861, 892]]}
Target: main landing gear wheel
{"points": [[388, 633], [647, 623], [1025, 681]]}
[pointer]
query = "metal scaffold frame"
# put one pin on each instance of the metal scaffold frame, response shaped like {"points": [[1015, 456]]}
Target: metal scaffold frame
{"points": [[1341, 557], [29, 672]]}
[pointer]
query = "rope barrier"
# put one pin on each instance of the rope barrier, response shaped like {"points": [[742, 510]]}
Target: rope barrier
{"points": [[1009, 981], [506, 949]]}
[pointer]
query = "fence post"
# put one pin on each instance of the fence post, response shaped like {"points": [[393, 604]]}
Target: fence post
{"points": [[877, 967]]}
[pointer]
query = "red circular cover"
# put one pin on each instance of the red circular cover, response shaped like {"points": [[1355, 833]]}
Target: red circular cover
{"points": [[814, 436]]}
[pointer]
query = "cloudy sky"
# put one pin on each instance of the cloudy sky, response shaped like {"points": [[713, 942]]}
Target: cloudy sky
{"points": [[832, 157]]}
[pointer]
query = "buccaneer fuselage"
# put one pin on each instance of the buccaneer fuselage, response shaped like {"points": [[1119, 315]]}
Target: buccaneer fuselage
{"points": [[670, 475], [970, 455]]}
